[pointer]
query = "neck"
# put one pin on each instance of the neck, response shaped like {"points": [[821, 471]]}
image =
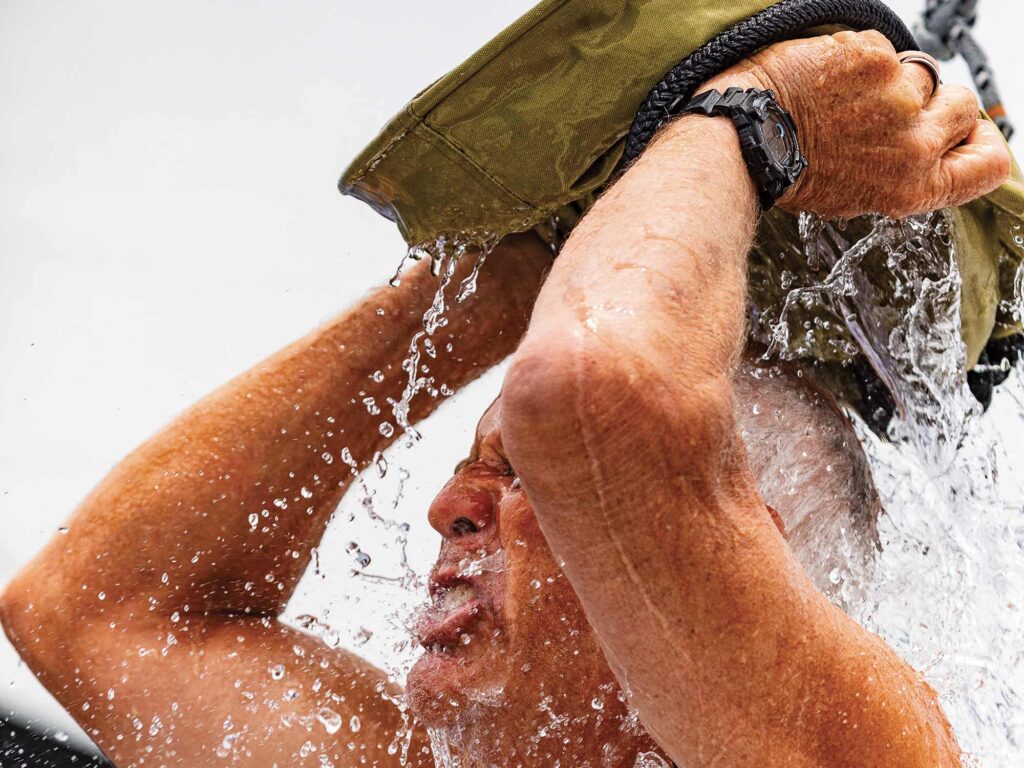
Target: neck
{"points": [[550, 734]]}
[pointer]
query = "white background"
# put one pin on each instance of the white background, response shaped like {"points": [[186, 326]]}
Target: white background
{"points": [[169, 216]]}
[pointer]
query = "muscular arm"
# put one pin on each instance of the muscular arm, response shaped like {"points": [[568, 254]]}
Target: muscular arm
{"points": [[617, 417], [158, 605]]}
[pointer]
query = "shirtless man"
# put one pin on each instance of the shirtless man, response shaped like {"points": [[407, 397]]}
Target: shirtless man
{"points": [[672, 619]]}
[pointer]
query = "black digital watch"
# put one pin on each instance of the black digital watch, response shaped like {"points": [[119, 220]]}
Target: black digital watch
{"points": [[768, 136]]}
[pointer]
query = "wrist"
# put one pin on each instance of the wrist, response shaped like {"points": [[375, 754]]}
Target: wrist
{"points": [[749, 76], [716, 141]]}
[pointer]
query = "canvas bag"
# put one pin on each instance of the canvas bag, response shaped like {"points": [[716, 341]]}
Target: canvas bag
{"points": [[533, 125]]}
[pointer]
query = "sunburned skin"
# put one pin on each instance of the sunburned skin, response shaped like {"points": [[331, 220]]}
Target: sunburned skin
{"points": [[610, 539], [518, 650]]}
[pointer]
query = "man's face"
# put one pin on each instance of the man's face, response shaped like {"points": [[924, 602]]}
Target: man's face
{"points": [[504, 628]]}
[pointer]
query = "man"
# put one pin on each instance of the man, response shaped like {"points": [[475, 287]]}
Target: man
{"points": [[660, 615]]}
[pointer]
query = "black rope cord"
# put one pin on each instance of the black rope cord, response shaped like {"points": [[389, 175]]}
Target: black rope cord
{"points": [[783, 20]]}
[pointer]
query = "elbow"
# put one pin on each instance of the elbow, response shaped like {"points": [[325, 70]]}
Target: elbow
{"points": [[17, 614], [7, 611], [549, 387], [573, 395], [32, 617]]}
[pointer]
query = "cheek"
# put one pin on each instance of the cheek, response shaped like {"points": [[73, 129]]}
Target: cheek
{"points": [[527, 553], [540, 602]]}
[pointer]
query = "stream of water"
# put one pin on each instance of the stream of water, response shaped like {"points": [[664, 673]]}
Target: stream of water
{"points": [[947, 588]]}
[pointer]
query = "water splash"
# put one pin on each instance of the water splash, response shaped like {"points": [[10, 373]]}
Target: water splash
{"points": [[896, 290], [651, 760], [442, 752], [947, 588], [445, 257]]}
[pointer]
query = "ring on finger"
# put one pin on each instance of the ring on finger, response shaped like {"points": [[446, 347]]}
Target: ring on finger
{"points": [[928, 62]]}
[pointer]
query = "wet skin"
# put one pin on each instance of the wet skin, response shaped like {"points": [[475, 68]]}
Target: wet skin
{"points": [[163, 546], [516, 658], [512, 654]]}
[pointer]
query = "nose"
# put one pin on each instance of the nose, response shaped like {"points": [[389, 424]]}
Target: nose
{"points": [[461, 509]]}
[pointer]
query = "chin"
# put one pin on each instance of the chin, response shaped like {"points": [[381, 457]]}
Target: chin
{"points": [[444, 688]]}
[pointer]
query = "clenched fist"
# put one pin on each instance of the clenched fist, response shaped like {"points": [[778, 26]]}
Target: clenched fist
{"points": [[879, 136]]}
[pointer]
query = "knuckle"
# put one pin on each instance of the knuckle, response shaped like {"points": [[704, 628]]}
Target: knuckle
{"points": [[963, 104], [963, 96], [845, 37], [877, 39]]}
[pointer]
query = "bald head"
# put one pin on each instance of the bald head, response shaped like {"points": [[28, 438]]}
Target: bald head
{"points": [[810, 468]]}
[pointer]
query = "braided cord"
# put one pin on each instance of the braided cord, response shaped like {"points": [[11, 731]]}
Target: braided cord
{"points": [[783, 20]]}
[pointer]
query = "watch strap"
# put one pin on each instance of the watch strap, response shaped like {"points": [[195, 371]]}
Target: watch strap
{"points": [[739, 106]]}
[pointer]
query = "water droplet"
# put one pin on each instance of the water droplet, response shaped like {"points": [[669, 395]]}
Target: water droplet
{"points": [[386, 429], [277, 672], [362, 636], [353, 724], [330, 719], [227, 745]]}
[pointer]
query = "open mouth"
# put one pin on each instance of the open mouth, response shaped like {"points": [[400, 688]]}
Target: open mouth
{"points": [[447, 624]]}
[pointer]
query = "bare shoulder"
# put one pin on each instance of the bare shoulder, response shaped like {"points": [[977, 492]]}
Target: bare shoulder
{"points": [[218, 690]]}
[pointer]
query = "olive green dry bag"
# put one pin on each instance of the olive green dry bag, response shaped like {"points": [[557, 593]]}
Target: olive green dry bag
{"points": [[536, 123]]}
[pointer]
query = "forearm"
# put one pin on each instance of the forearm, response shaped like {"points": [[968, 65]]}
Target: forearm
{"points": [[657, 271], [220, 509], [618, 420]]}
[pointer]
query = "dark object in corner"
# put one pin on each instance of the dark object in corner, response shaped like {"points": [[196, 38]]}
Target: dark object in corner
{"points": [[23, 748]]}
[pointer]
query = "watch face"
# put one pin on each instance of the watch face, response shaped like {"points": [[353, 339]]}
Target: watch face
{"points": [[778, 136]]}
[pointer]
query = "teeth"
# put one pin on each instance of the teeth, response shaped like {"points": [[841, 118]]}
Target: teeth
{"points": [[454, 598]]}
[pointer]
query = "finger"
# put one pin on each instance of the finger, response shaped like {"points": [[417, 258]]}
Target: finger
{"points": [[922, 79], [952, 115], [976, 167], [870, 38]]}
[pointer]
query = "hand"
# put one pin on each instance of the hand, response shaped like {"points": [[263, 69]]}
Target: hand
{"points": [[877, 138]]}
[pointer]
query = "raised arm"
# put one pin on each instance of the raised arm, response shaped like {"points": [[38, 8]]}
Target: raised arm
{"points": [[618, 420], [158, 604]]}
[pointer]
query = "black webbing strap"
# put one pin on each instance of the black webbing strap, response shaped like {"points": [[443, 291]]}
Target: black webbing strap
{"points": [[786, 19]]}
